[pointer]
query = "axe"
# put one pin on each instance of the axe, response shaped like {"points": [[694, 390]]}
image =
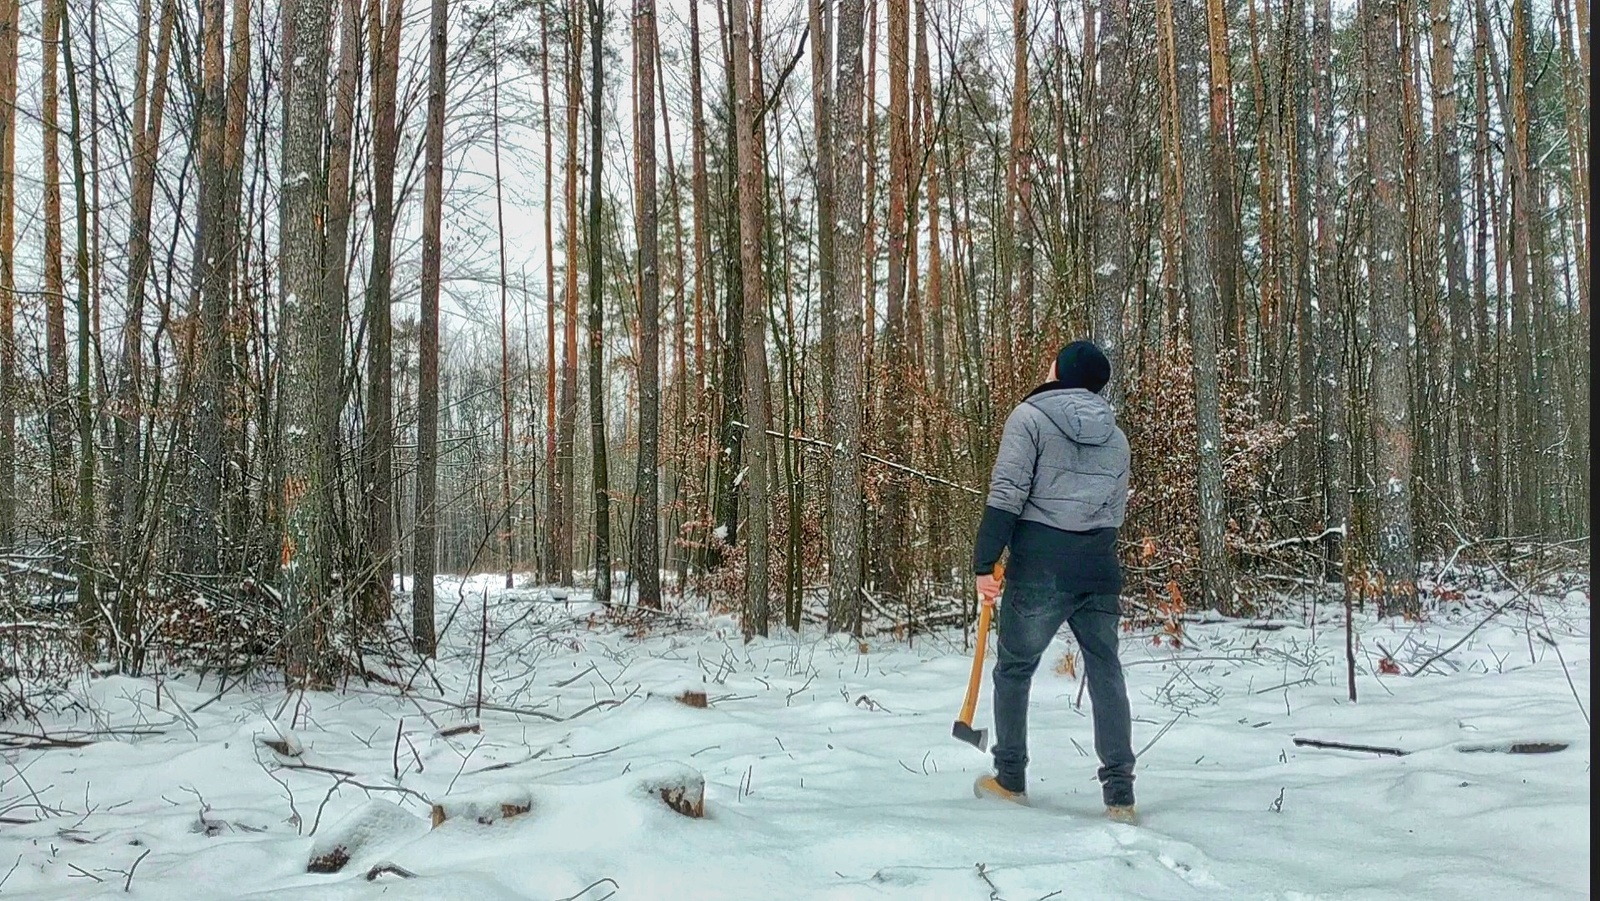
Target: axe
{"points": [[978, 738]]}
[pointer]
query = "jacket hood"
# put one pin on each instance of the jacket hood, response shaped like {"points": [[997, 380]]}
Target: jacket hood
{"points": [[1082, 415]]}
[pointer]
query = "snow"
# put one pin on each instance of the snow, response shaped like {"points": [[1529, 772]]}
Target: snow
{"points": [[829, 773]]}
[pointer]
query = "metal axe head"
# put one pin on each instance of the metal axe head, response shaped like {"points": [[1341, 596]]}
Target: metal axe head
{"points": [[978, 738]]}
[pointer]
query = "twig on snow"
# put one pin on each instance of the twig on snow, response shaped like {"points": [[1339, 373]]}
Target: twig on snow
{"points": [[1163, 731], [983, 873], [607, 880], [128, 885]]}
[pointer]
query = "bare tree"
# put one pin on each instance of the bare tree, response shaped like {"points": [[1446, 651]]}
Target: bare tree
{"points": [[647, 555], [844, 497], [569, 361], [425, 548], [1111, 151], [508, 525], [211, 290], [311, 351], [384, 19], [1327, 308], [597, 347], [757, 417], [10, 17], [1391, 398], [86, 570], [552, 555], [1203, 271], [58, 421]]}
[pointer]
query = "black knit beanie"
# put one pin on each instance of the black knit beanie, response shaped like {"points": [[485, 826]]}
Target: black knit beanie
{"points": [[1082, 365]]}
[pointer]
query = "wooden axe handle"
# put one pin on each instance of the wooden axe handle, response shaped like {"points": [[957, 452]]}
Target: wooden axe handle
{"points": [[985, 611]]}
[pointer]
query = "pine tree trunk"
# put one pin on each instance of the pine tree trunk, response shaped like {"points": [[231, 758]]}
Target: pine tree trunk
{"points": [[1203, 270], [552, 469], [508, 520], [939, 420], [310, 331], [10, 16], [568, 428], [844, 498], [893, 526], [597, 383], [1540, 495], [1111, 149], [647, 555], [425, 537], [754, 337], [58, 422], [86, 571], [380, 503], [210, 287], [1396, 590], [1327, 305], [1453, 225]]}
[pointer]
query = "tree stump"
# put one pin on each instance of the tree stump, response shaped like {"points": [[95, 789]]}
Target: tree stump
{"points": [[681, 788], [371, 824], [486, 808]]}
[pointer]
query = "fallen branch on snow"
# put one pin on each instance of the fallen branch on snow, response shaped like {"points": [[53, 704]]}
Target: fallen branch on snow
{"points": [[1342, 746], [1510, 747]]}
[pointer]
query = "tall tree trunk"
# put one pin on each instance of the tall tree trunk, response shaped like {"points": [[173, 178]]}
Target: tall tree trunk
{"points": [[86, 570], [380, 506], [552, 469], [235, 553], [893, 526], [1447, 172], [58, 421], [425, 549], [597, 383], [211, 290], [126, 508], [568, 427], [1111, 148], [1224, 221], [1204, 267], [821, 37], [508, 521], [647, 555], [10, 16], [844, 497], [1021, 177], [731, 459], [939, 420], [310, 348], [757, 416], [681, 442], [1396, 590], [1327, 305], [1540, 494], [1577, 114]]}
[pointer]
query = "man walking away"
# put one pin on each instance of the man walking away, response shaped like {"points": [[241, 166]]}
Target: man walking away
{"points": [[1057, 497]]}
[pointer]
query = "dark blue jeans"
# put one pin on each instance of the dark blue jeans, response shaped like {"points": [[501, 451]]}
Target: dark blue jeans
{"points": [[1029, 617]]}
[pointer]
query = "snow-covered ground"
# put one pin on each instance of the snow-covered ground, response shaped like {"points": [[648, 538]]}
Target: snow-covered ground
{"points": [[830, 773]]}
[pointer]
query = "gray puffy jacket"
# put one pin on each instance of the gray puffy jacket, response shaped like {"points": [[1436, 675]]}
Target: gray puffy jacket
{"points": [[1063, 462]]}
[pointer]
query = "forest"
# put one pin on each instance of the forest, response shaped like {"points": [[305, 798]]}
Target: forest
{"points": [[304, 305]]}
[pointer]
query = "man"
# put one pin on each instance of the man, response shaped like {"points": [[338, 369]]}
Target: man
{"points": [[1057, 497]]}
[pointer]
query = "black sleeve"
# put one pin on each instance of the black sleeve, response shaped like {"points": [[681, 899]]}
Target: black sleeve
{"points": [[994, 533]]}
